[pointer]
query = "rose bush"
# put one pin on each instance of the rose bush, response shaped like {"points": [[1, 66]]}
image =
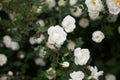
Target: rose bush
{"points": [[59, 39]]}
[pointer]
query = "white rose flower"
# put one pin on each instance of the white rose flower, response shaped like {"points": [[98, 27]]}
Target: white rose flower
{"points": [[77, 75], [62, 2], [71, 45], [51, 3], [3, 59], [41, 23], [73, 2], [10, 73], [94, 16], [14, 46], [32, 40], [65, 64], [76, 11], [110, 77], [50, 73], [98, 36], [57, 35], [40, 61], [94, 73], [68, 24], [119, 29], [84, 22], [7, 41], [94, 5], [81, 56], [113, 6]]}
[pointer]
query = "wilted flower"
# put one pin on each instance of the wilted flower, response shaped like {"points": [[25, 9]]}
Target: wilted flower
{"points": [[112, 18], [84, 22], [71, 45]]}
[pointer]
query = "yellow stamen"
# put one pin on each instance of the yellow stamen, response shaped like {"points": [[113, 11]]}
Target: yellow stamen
{"points": [[117, 2], [93, 2]]}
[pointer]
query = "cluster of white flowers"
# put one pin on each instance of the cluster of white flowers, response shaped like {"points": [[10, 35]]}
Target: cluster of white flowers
{"points": [[94, 73], [81, 56], [57, 34], [34, 40], [77, 75], [3, 59], [98, 36], [94, 7], [10, 44]]}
